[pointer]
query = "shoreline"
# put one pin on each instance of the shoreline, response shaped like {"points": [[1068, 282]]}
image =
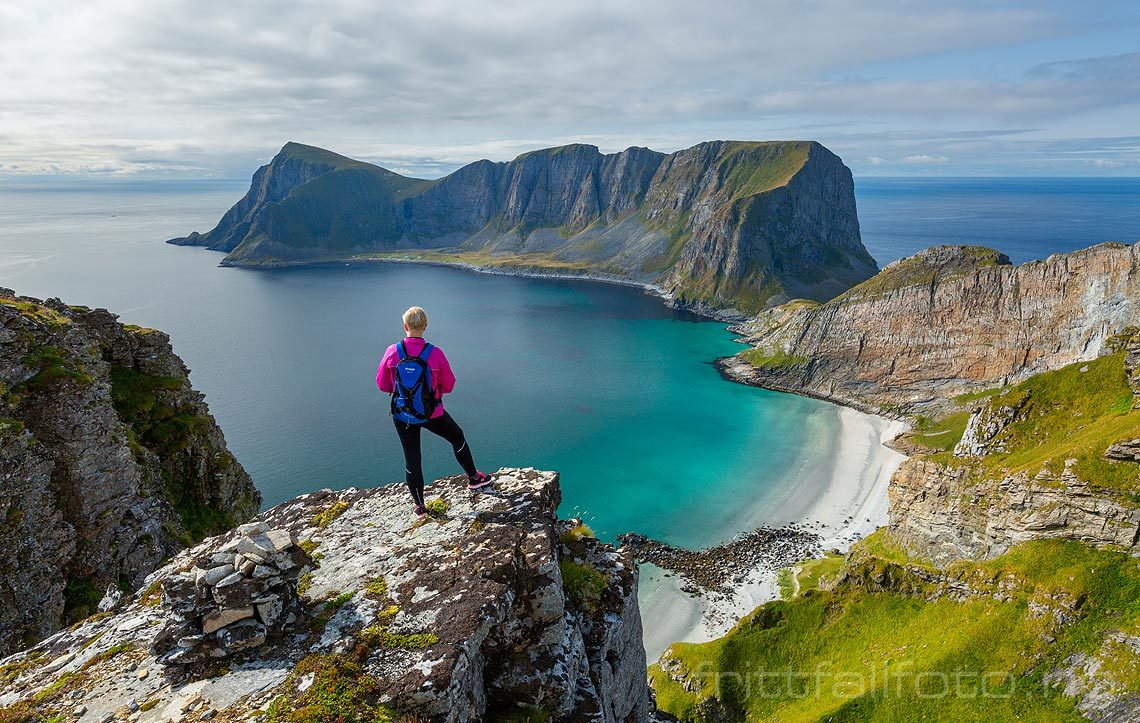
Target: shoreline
{"points": [[841, 504], [841, 498], [730, 316]]}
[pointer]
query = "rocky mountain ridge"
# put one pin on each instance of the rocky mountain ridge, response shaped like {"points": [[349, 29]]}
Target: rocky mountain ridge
{"points": [[722, 224], [490, 607], [110, 463], [944, 322]]}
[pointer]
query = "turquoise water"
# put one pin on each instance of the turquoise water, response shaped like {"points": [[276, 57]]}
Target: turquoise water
{"points": [[600, 382]]}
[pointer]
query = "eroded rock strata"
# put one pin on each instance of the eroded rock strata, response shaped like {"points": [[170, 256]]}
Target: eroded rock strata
{"points": [[724, 224], [109, 461], [947, 321], [490, 604]]}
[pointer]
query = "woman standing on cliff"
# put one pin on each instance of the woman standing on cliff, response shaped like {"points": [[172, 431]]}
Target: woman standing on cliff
{"points": [[417, 375]]}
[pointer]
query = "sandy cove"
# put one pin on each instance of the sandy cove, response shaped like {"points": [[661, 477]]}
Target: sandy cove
{"points": [[841, 502]]}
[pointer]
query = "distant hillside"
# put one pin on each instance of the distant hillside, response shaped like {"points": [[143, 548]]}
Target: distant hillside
{"points": [[724, 224], [946, 321]]}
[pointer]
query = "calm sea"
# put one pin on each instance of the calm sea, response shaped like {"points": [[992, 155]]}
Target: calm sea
{"points": [[601, 382], [1026, 218]]}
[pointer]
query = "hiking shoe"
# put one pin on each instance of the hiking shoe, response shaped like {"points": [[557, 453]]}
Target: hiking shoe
{"points": [[420, 510], [478, 481]]}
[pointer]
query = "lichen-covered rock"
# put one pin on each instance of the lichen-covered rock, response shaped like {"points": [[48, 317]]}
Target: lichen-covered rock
{"points": [[946, 321], [231, 598], [1096, 680], [951, 512], [480, 608], [109, 463]]}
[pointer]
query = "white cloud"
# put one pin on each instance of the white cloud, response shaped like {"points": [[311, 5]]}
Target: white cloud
{"points": [[876, 161], [924, 159], [201, 87]]}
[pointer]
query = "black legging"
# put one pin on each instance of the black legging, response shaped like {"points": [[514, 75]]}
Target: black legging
{"points": [[445, 427]]}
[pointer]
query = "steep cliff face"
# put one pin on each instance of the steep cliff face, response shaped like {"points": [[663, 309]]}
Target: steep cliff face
{"points": [[721, 224], [1052, 457], [110, 462], [944, 322], [490, 608], [952, 513]]}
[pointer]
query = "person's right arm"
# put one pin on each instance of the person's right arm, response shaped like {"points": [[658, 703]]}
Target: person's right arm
{"points": [[384, 378]]}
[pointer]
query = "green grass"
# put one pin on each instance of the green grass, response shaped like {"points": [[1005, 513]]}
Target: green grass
{"points": [[377, 587], [438, 506], [1073, 414], [51, 366], [881, 545], [921, 271], [325, 517], [376, 636], [40, 314], [779, 359], [748, 168], [811, 572], [577, 533], [583, 584], [941, 434], [854, 639], [786, 583], [340, 690], [1069, 414]]}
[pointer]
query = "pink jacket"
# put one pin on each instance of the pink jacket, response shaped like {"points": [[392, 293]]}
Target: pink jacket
{"points": [[442, 378]]}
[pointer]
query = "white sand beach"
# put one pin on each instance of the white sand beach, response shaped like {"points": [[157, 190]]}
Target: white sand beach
{"points": [[842, 500]]}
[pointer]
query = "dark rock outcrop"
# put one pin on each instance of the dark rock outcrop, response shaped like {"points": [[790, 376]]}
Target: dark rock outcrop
{"points": [[490, 604], [722, 224], [109, 463], [947, 321]]}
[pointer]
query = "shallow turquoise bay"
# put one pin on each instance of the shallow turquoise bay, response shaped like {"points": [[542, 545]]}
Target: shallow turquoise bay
{"points": [[600, 382]]}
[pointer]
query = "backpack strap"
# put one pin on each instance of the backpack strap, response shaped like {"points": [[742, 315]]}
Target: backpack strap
{"points": [[401, 352], [426, 351]]}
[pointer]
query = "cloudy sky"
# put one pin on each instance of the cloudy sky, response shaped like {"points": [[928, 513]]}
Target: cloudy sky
{"points": [[205, 89]]}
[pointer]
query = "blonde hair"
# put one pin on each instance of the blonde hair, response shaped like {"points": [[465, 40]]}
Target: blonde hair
{"points": [[415, 319]]}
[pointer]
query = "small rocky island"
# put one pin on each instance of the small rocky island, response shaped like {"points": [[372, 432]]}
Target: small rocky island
{"points": [[343, 606]]}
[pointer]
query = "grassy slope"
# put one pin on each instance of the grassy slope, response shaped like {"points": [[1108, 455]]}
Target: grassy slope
{"points": [[1069, 414], [871, 647], [863, 629]]}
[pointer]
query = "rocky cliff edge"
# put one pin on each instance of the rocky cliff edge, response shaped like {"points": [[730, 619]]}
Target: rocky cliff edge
{"points": [[109, 463], [344, 606]]}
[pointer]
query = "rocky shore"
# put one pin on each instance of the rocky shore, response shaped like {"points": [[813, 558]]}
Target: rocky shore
{"points": [[720, 569], [537, 272]]}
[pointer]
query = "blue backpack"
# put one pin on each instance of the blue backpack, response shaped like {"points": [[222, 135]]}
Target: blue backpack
{"points": [[413, 396]]}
